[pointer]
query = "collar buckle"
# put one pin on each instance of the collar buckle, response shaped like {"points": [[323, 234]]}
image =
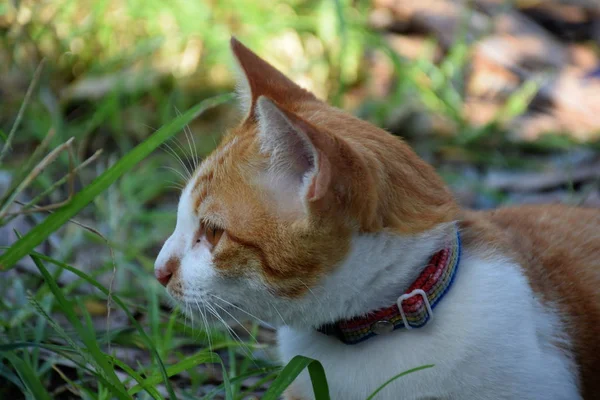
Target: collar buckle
{"points": [[406, 296]]}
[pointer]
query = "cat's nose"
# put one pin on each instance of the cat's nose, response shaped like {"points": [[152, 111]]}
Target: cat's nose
{"points": [[165, 272], [163, 276]]}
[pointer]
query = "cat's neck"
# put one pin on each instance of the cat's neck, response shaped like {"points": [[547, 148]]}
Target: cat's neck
{"points": [[378, 269]]}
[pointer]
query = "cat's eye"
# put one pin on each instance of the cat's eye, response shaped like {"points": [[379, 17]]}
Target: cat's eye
{"points": [[213, 235]]}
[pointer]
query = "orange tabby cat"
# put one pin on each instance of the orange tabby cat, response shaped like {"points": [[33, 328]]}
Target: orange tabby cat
{"points": [[339, 234]]}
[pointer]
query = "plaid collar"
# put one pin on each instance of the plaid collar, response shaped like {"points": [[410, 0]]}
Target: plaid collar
{"points": [[413, 309]]}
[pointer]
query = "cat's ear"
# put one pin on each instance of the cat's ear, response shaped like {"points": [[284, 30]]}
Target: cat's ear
{"points": [[295, 161], [256, 78]]}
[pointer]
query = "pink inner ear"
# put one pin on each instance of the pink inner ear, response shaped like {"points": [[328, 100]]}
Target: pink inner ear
{"points": [[320, 182]]}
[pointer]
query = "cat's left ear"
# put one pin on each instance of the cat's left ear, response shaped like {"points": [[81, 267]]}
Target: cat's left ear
{"points": [[295, 159], [256, 78]]}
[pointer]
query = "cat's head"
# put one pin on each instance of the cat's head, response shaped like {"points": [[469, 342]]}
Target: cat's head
{"points": [[276, 210]]}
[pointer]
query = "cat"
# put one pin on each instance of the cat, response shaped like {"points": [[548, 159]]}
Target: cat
{"points": [[336, 232]]}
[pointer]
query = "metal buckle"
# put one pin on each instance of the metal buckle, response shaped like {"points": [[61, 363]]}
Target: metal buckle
{"points": [[408, 296]]}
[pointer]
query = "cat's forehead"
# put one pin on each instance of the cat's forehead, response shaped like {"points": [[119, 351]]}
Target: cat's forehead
{"points": [[218, 178]]}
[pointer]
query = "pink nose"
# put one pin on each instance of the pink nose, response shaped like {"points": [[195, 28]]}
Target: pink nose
{"points": [[163, 276], [165, 272]]}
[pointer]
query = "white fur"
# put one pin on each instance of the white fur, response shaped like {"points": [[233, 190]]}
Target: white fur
{"points": [[489, 337]]}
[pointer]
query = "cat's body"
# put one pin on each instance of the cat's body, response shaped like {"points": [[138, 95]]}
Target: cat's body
{"points": [[306, 216], [491, 337]]}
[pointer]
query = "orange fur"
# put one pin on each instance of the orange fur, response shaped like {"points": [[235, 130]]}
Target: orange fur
{"points": [[358, 193], [559, 250]]}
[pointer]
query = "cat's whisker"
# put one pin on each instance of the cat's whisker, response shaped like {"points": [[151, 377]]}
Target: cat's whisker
{"points": [[235, 336], [242, 343], [191, 142], [278, 313], [311, 291], [170, 151], [238, 322], [185, 317], [239, 308], [164, 147], [185, 132], [205, 322], [204, 312], [174, 182], [183, 151], [191, 316], [320, 303], [196, 156], [175, 171], [175, 186], [179, 159]]}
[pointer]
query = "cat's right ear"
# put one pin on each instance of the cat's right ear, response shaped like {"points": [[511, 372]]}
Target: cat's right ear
{"points": [[256, 78]]}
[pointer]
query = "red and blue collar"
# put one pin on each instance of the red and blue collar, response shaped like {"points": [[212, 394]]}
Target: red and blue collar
{"points": [[413, 309]]}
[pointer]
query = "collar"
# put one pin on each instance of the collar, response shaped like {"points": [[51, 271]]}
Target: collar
{"points": [[413, 309]]}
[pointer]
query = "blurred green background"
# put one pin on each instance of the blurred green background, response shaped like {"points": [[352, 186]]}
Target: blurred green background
{"points": [[501, 97]]}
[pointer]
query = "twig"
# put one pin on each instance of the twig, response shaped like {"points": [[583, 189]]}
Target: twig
{"points": [[11, 134], [66, 386], [26, 209], [40, 149], [35, 172], [20, 175]]}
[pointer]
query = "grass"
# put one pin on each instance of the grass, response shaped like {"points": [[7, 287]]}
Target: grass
{"points": [[89, 321]]}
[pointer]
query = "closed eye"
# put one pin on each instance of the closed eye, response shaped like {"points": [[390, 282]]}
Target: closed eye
{"points": [[211, 232], [213, 235]]}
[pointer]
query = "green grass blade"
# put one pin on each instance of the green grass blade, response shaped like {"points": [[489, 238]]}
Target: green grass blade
{"points": [[5, 348], [123, 306], [393, 378], [518, 101], [61, 332], [292, 370], [87, 337], [58, 350], [62, 351], [9, 375], [11, 134], [54, 221], [239, 378], [150, 389], [250, 389], [190, 362], [29, 377]]}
